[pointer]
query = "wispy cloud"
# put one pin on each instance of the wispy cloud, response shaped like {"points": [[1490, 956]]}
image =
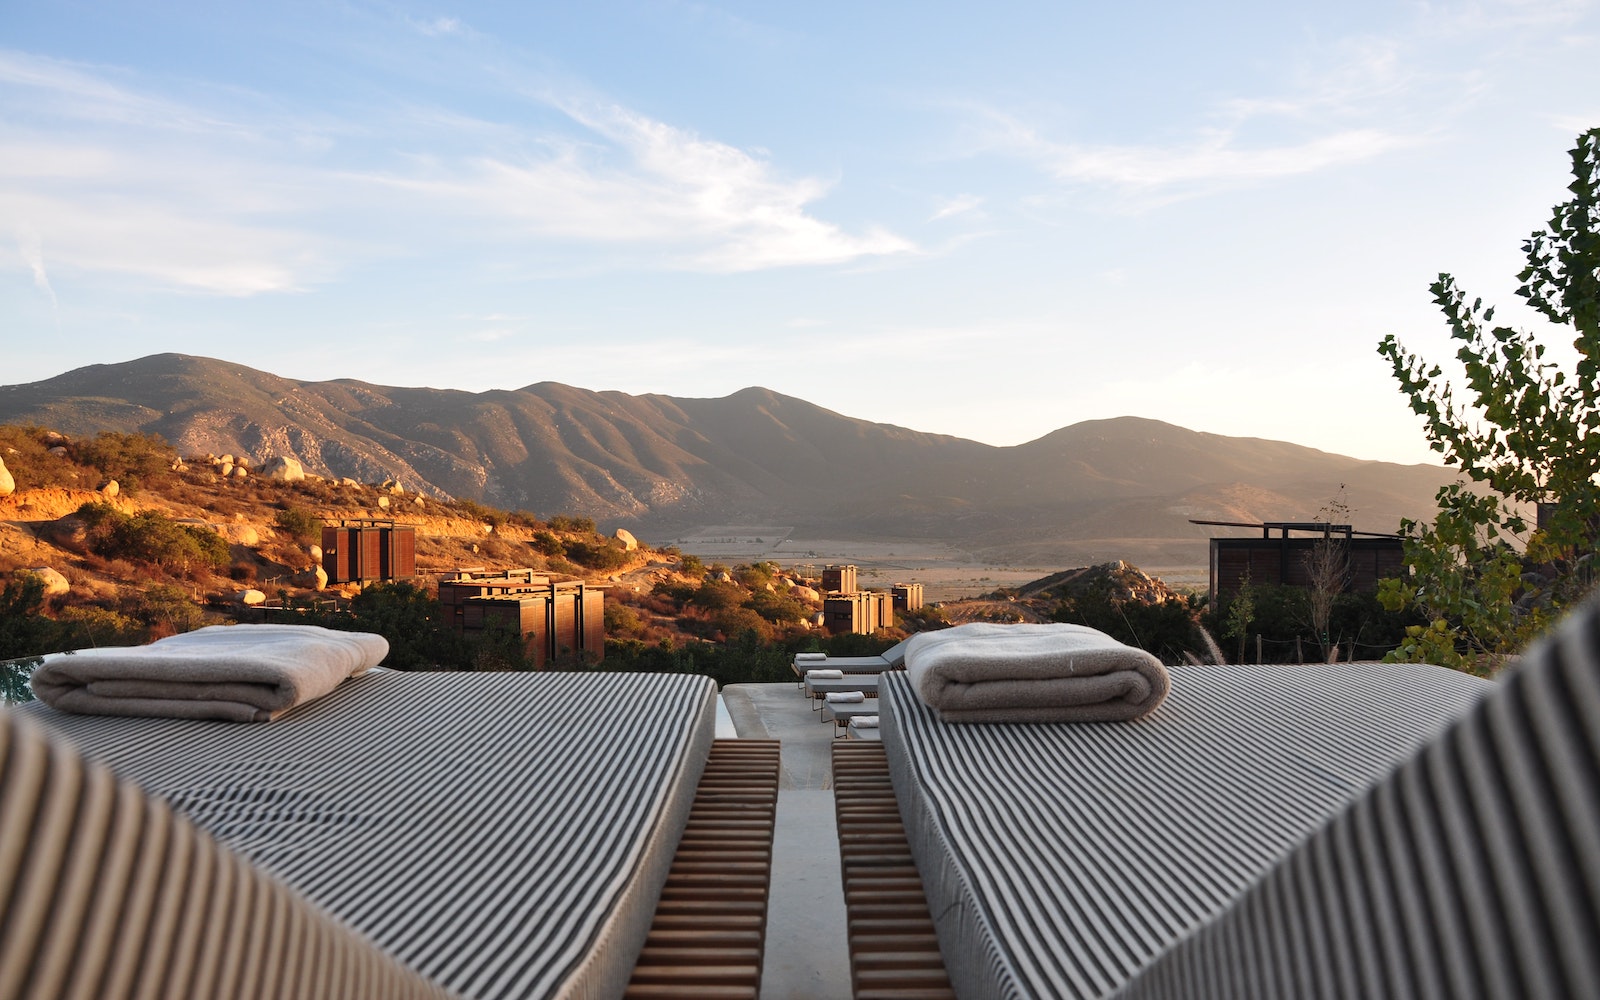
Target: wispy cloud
{"points": [[959, 205], [31, 247], [629, 179], [1337, 108], [436, 26], [245, 202]]}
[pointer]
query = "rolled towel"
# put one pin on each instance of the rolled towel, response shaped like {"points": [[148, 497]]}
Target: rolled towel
{"points": [[824, 675], [865, 722], [845, 697], [1033, 673], [240, 673], [804, 657]]}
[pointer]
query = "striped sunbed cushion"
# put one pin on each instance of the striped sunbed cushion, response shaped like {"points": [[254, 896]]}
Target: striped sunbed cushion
{"points": [[504, 835], [1061, 859]]}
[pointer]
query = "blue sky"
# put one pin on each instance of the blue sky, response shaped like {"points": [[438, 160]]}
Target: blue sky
{"points": [[988, 221]]}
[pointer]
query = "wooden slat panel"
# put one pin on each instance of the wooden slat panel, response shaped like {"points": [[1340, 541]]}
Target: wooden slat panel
{"points": [[894, 951], [709, 934]]}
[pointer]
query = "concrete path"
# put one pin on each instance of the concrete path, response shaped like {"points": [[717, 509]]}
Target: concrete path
{"points": [[808, 957]]}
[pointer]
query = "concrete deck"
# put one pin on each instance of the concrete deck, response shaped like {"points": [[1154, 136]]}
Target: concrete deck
{"points": [[808, 956]]}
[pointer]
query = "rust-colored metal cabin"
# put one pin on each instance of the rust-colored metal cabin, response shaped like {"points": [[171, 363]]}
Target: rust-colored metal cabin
{"points": [[1283, 559], [455, 591], [863, 612], [907, 596], [839, 580], [557, 621], [366, 550]]}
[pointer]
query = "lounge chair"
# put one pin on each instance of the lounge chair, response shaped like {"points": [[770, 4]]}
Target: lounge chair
{"points": [[817, 689], [893, 658], [840, 713], [1331, 831], [450, 834], [858, 730]]}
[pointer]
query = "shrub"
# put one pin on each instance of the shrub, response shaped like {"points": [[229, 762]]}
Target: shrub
{"points": [[167, 610], [151, 537], [600, 555], [86, 626], [299, 523], [621, 620], [548, 544], [714, 596], [128, 458], [574, 525]]}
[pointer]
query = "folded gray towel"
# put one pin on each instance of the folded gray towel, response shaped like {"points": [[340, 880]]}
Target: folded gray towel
{"points": [[241, 673], [1033, 673]]}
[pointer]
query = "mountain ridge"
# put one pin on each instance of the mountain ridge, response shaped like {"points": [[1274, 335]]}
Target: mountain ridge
{"points": [[660, 464]]}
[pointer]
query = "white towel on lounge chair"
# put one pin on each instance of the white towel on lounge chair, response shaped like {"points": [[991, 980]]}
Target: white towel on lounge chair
{"points": [[844, 697], [803, 657], [865, 722], [240, 673], [824, 675], [1033, 673]]}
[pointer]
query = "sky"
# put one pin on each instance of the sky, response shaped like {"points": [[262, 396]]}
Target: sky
{"points": [[989, 221]]}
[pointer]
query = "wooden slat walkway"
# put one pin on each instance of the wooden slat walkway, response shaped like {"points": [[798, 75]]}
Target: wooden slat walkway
{"points": [[894, 952], [710, 926]]}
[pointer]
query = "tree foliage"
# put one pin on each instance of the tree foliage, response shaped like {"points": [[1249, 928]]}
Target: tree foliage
{"points": [[1527, 434]]}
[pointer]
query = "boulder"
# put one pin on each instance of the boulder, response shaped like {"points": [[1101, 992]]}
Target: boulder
{"points": [[238, 534], [242, 461], [68, 533], [315, 551], [55, 585], [250, 598], [239, 472], [224, 469], [418, 502], [347, 481], [805, 594], [54, 438], [8, 484], [110, 488], [626, 538], [383, 502], [225, 460], [320, 576], [58, 451], [284, 469]]}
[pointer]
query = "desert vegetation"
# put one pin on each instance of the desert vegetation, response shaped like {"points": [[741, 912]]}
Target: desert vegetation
{"points": [[1484, 578]]}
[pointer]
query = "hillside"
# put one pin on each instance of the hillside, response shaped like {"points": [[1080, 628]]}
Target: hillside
{"points": [[130, 542], [1117, 488]]}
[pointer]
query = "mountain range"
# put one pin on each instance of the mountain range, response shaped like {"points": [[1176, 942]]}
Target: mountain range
{"points": [[1124, 487]]}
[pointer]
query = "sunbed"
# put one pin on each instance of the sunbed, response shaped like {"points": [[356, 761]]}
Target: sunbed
{"points": [[840, 713], [1336, 831], [817, 690], [893, 658], [494, 835]]}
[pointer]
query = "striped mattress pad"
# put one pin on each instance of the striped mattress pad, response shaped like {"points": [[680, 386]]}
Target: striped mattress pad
{"points": [[504, 835], [1061, 859]]}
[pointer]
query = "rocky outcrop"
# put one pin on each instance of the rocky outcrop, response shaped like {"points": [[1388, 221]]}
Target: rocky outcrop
{"points": [[629, 543], [284, 468], [55, 585], [8, 483]]}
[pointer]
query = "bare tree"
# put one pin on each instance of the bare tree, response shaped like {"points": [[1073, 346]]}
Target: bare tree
{"points": [[1328, 569]]}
